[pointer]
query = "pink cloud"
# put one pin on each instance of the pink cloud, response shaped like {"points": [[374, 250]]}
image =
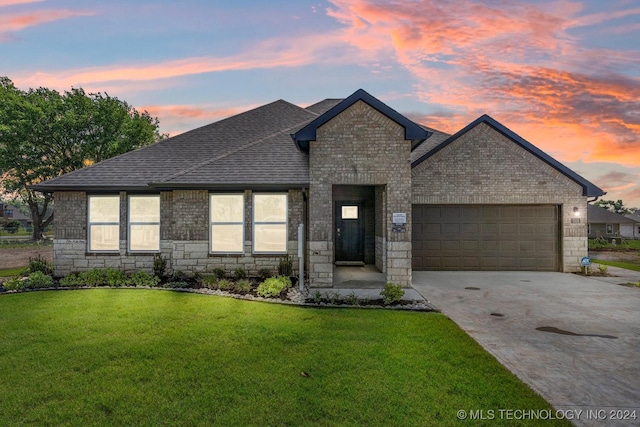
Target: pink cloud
{"points": [[15, 22], [176, 119], [514, 61], [264, 55], [5, 3]]}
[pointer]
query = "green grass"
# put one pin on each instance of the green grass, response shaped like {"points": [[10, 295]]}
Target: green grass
{"points": [[622, 264], [148, 357], [595, 244], [11, 244]]}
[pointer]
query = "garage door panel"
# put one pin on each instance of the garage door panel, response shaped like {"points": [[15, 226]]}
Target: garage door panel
{"points": [[486, 237], [470, 245]]}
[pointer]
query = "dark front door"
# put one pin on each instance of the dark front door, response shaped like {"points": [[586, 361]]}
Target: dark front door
{"points": [[349, 232]]}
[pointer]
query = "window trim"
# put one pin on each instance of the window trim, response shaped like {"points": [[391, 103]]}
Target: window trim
{"points": [[254, 223], [89, 224], [129, 224], [212, 223], [609, 227]]}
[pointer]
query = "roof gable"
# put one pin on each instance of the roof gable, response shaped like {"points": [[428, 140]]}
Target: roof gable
{"points": [[413, 132], [588, 188]]}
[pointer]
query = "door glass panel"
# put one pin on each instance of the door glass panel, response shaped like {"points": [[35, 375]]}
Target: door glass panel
{"points": [[349, 212]]}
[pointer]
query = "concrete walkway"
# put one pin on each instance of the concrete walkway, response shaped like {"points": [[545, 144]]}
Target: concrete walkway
{"points": [[575, 340]]}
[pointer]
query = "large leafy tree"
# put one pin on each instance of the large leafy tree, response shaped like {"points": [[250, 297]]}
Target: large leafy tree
{"points": [[44, 134], [614, 206]]}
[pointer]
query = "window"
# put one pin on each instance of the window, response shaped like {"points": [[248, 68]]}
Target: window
{"points": [[227, 223], [104, 224], [588, 228], [144, 223], [270, 223], [609, 228], [349, 212]]}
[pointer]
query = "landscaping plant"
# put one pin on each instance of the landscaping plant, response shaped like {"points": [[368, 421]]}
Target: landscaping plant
{"points": [[391, 293]]}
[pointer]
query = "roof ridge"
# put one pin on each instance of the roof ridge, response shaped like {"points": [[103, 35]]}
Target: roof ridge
{"points": [[232, 151]]}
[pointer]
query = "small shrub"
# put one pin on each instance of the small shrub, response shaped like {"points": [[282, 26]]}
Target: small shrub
{"points": [[38, 280], [603, 268], [332, 297], [224, 284], [95, 277], [40, 264], [177, 284], [243, 286], [285, 267], [317, 297], [273, 286], [13, 284], [142, 278], [286, 280], [209, 281], [179, 276], [159, 266], [265, 273], [352, 299], [240, 273], [72, 280], [115, 278], [218, 273], [391, 293]]}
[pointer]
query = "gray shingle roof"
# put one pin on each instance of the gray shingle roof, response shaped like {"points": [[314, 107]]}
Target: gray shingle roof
{"points": [[324, 105], [219, 153], [598, 215]]}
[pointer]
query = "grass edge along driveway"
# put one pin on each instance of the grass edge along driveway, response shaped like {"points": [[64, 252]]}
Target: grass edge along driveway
{"points": [[122, 357]]}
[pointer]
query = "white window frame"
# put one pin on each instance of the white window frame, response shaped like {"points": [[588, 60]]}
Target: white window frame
{"points": [[212, 223], [254, 223], [89, 223], [130, 223], [609, 228]]}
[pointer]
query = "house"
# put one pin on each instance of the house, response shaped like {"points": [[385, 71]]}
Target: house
{"points": [[632, 230], [12, 213], [610, 225], [370, 186]]}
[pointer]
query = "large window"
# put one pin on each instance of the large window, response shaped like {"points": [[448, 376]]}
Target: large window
{"points": [[104, 224], [144, 223], [270, 223], [227, 223]]}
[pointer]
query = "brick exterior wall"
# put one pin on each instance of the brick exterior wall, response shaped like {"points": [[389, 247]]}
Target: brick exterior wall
{"points": [[184, 236], [360, 146], [485, 167]]}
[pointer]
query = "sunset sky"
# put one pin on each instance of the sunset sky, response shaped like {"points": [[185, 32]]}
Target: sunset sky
{"points": [[565, 75]]}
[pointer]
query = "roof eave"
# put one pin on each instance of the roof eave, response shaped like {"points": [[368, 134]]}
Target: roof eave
{"points": [[413, 132]]}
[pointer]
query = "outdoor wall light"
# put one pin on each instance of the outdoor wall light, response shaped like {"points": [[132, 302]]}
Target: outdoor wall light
{"points": [[576, 211]]}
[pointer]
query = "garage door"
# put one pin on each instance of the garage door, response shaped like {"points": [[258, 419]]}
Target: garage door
{"points": [[485, 237]]}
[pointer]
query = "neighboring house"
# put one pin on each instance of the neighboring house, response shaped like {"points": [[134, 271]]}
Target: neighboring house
{"points": [[608, 225], [370, 185], [12, 213], [635, 227]]}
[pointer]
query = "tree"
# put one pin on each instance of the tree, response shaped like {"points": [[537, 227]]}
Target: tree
{"points": [[44, 134], [617, 206]]}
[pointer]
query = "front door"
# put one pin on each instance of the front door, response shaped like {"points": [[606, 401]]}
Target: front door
{"points": [[349, 232]]}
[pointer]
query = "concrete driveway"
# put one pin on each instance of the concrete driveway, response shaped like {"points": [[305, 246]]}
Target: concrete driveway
{"points": [[586, 357]]}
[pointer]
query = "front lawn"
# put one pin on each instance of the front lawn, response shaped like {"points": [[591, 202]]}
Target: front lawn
{"points": [[629, 265], [134, 356]]}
